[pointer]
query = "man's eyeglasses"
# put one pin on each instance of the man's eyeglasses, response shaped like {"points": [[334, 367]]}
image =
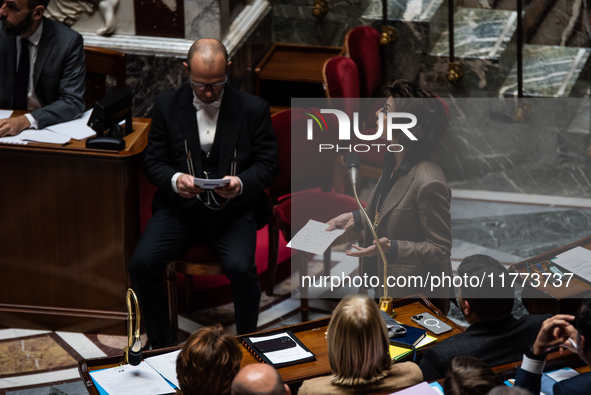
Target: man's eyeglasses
{"points": [[215, 87]]}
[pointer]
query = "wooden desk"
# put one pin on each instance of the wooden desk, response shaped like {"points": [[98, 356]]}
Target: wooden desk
{"points": [[548, 298], [70, 221], [310, 333], [289, 70]]}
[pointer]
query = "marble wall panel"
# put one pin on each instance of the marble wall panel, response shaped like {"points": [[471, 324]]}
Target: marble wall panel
{"points": [[546, 156], [525, 235], [202, 19], [294, 23]]}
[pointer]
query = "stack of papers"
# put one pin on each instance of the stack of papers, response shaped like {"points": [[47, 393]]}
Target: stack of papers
{"points": [[397, 352], [577, 261], [154, 375], [550, 378], [55, 134]]}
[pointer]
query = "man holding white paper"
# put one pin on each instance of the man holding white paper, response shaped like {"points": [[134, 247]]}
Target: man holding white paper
{"points": [[205, 129]]}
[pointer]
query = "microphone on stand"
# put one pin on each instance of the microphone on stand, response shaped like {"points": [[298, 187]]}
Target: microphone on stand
{"points": [[133, 352], [353, 167], [352, 159]]}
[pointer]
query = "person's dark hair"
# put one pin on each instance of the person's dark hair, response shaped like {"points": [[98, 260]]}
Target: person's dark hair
{"points": [[583, 322], [432, 120], [468, 376], [208, 362], [491, 298], [34, 3]]}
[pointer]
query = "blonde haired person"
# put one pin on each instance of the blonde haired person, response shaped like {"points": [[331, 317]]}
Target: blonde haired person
{"points": [[358, 353]]}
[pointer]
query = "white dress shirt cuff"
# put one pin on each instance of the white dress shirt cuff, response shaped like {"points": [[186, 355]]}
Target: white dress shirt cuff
{"points": [[32, 121], [173, 181], [532, 365]]}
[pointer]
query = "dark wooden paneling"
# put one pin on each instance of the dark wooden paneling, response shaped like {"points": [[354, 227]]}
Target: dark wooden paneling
{"points": [[69, 223]]}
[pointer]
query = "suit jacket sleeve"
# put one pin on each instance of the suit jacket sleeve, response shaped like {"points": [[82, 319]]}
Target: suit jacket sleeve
{"points": [[264, 166], [528, 380], [70, 73], [431, 366], [158, 156], [435, 221]]}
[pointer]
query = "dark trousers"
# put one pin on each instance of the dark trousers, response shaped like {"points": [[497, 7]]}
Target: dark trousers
{"points": [[166, 237]]}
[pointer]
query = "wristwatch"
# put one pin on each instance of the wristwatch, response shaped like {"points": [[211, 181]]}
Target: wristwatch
{"points": [[530, 354]]}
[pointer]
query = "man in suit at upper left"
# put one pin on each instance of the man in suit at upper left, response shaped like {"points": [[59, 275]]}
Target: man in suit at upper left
{"points": [[42, 68]]}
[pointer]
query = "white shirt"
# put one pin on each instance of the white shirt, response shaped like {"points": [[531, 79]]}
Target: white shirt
{"points": [[207, 120], [32, 99]]}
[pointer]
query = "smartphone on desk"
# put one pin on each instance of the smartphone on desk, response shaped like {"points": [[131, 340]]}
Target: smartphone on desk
{"points": [[431, 323], [280, 343]]}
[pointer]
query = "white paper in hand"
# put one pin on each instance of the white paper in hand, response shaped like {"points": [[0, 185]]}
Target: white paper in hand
{"points": [[204, 183], [314, 238]]}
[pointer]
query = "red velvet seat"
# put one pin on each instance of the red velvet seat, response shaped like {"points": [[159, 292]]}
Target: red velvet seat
{"points": [[362, 44], [341, 77], [307, 187]]}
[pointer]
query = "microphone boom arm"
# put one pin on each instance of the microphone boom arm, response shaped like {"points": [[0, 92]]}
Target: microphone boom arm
{"points": [[375, 236]]}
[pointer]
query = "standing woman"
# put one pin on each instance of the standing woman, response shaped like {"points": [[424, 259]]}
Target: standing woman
{"points": [[409, 206]]}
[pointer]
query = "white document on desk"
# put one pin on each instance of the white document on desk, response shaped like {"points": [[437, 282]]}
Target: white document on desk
{"points": [[165, 364], [282, 356], [577, 261], [314, 238], [12, 140], [43, 136], [76, 128], [132, 380], [5, 114]]}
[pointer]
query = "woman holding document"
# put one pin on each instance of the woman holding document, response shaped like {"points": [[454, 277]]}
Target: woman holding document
{"points": [[409, 206]]}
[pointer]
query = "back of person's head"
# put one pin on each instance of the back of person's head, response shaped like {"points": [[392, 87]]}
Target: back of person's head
{"points": [[506, 390], [432, 120], [259, 379], [468, 376], [490, 297], [208, 362], [583, 325], [358, 342]]}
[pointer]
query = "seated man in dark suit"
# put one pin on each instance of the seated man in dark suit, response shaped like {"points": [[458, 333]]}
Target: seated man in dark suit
{"points": [[494, 335], [205, 129], [558, 331], [42, 67]]}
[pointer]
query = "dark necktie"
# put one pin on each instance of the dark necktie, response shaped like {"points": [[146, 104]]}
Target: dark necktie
{"points": [[21, 82]]}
